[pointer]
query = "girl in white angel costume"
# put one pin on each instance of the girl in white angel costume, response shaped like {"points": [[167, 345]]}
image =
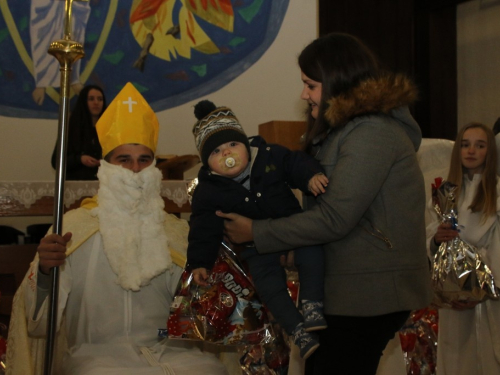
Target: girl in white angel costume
{"points": [[469, 335]]}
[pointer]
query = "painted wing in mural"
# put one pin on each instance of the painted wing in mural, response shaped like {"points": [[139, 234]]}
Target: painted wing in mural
{"points": [[146, 9], [173, 51], [217, 12]]}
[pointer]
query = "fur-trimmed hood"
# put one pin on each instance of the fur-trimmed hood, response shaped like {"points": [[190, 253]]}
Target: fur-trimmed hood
{"points": [[374, 95], [389, 95]]}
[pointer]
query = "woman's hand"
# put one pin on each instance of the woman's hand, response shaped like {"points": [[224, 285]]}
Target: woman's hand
{"points": [[236, 227], [89, 161], [444, 233]]}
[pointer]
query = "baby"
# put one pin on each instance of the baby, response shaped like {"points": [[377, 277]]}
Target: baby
{"points": [[253, 178]]}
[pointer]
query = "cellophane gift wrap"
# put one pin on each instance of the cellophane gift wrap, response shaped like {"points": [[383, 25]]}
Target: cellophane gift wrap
{"points": [[228, 312], [267, 358], [3, 345], [419, 341], [458, 272], [3, 348]]}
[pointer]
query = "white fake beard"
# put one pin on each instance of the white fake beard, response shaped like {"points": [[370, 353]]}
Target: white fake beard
{"points": [[131, 220]]}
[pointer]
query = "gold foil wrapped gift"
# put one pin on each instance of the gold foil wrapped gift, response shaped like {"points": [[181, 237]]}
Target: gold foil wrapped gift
{"points": [[458, 272]]}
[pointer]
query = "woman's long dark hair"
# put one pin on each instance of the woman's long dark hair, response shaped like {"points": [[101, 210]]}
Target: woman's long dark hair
{"points": [[80, 114], [340, 62], [81, 127]]}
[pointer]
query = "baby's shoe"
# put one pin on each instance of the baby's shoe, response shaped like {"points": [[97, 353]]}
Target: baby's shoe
{"points": [[313, 315], [307, 342]]}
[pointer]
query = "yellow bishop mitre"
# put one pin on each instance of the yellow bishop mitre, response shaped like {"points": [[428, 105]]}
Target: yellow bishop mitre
{"points": [[128, 119]]}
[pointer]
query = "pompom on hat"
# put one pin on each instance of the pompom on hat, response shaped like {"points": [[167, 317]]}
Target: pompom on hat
{"points": [[128, 120], [215, 126]]}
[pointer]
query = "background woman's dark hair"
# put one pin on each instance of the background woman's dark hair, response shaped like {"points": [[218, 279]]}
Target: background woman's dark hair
{"points": [[80, 112], [81, 129], [340, 62], [81, 126]]}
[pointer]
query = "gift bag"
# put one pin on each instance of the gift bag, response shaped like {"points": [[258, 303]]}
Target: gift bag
{"points": [[267, 358], [3, 345], [228, 312], [418, 338], [458, 272], [3, 349]]}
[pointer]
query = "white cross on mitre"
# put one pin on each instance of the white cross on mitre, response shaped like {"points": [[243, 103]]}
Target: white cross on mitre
{"points": [[130, 102]]}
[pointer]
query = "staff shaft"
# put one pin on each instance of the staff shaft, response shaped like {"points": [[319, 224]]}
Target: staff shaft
{"points": [[66, 52]]}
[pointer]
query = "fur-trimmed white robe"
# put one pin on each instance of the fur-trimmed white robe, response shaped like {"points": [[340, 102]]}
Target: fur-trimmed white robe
{"points": [[108, 330]]}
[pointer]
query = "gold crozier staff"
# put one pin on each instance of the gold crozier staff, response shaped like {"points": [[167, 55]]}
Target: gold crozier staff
{"points": [[66, 51]]}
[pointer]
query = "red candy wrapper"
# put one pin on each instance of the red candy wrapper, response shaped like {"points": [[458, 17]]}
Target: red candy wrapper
{"points": [[3, 348], [293, 284], [226, 312], [419, 342], [3, 345], [267, 358]]}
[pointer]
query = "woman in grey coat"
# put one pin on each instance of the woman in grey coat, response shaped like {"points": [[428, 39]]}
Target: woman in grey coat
{"points": [[371, 218]]}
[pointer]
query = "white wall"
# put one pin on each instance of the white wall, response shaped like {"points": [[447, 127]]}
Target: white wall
{"points": [[478, 61], [269, 90]]}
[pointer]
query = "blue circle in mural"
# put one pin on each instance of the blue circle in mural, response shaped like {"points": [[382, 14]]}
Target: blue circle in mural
{"points": [[173, 51]]}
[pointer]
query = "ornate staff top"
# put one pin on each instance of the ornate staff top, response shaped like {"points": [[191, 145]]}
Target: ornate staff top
{"points": [[67, 51]]}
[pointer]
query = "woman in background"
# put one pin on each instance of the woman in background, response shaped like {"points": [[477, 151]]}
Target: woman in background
{"points": [[83, 149], [469, 336], [371, 217]]}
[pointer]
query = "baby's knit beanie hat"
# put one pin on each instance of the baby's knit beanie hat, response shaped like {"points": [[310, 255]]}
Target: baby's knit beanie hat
{"points": [[215, 126]]}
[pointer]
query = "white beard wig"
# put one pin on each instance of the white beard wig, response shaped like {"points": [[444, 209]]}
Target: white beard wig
{"points": [[131, 220]]}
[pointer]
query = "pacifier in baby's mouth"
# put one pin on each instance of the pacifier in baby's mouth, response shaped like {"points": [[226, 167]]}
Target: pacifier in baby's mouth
{"points": [[229, 161]]}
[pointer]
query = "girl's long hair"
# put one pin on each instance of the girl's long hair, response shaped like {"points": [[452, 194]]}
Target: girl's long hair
{"points": [[485, 200], [340, 62]]}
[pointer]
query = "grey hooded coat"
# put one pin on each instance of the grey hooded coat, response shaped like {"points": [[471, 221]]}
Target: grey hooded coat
{"points": [[371, 218]]}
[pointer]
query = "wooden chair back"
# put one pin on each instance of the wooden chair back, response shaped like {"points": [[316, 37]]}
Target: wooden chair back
{"points": [[14, 263]]}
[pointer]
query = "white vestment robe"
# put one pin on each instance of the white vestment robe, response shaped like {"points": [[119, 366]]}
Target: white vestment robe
{"points": [[110, 330]]}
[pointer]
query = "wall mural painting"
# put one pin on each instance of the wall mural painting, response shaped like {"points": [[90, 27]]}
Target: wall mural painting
{"points": [[173, 51]]}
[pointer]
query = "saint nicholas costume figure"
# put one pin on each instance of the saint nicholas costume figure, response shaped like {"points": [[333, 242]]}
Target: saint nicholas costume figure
{"points": [[124, 257]]}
